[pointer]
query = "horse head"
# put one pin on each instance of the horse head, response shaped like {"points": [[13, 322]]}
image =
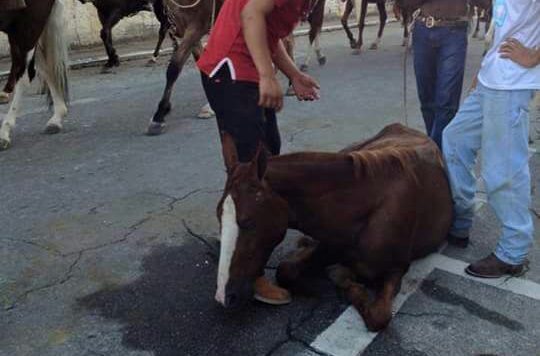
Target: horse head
{"points": [[253, 222]]}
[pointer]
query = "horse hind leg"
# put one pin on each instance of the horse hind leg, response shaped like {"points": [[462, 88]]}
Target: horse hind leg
{"points": [[9, 121], [345, 23], [191, 41], [108, 23], [163, 28], [321, 58], [382, 23]]}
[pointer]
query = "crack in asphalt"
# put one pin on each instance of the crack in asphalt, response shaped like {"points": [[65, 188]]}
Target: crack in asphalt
{"points": [[204, 240], [69, 273], [50, 250], [290, 329], [67, 276]]}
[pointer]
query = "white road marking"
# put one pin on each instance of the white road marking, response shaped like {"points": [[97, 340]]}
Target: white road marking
{"points": [[348, 335]]}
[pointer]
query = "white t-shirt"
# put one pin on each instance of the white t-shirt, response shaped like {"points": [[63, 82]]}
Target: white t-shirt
{"points": [[519, 19]]}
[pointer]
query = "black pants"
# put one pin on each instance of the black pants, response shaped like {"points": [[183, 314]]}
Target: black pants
{"points": [[238, 113]]}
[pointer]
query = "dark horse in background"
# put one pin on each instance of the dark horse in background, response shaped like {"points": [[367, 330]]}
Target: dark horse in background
{"points": [[110, 12], [383, 16], [37, 46], [371, 209], [190, 20]]}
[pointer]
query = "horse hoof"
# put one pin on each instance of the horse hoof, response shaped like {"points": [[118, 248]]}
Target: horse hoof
{"points": [[355, 52], [322, 60], [107, 70], [4, 98], [303, 68], [374, 46], [151, 62], [155, 128], [290, 91], [52, 129], [4, 144], [352, 44], [206, 113]]}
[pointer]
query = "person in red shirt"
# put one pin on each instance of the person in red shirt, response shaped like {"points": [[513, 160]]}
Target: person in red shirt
{"points": [[238, 69]]}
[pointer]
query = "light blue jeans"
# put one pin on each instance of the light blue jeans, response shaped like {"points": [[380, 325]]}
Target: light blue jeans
{"points": [[497, 122]]}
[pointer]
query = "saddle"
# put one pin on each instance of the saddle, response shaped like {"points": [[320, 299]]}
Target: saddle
{"points": [[10, 5]]}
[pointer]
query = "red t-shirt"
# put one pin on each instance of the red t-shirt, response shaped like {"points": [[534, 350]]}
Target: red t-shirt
{"points": [[226, 44]]}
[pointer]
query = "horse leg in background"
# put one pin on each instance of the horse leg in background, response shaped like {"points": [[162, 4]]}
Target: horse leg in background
{"points": [[477, 13], [107, 23], [192, 38], [163, 28], [382, 23], [20, 61], [361, 25], [10, 85], [349, 5]]}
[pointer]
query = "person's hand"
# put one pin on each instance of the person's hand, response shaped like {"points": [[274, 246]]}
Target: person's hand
{"points": [[270, 93], [515, 51], [305, 87]]}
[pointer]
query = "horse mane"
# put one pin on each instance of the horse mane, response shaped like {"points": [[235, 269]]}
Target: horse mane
{"points": [[395, 150], [387, 161]]}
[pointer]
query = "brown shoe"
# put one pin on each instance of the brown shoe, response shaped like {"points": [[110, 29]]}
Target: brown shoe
{"points": [[269, 293], [492, 267]]}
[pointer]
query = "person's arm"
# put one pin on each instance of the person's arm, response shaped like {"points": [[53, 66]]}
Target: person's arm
{"points": [[515, 51], [253, 18], [305, 87]]}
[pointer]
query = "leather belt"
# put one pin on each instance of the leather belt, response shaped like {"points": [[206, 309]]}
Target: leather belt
{"points": [[430, 21]]}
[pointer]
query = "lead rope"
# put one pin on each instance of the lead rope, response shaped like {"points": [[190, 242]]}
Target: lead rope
{"points": [[190, 6]]}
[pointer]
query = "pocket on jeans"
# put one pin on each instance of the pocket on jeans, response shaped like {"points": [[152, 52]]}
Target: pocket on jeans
{"points": [[522, 115]]}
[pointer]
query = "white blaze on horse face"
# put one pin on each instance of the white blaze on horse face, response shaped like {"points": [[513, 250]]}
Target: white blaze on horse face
{"points": [[229, 235]]}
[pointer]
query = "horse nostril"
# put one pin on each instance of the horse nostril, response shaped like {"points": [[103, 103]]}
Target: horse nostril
{"points": [[231, 300]]}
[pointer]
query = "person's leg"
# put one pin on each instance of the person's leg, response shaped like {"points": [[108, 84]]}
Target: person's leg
{"points": [[505, 170], [425, 68], [272, 136], [461, 142], [238, 114], [450, 71]]}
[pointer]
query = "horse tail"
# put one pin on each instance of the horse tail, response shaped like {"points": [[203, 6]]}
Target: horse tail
{"points": [[52, 52]]}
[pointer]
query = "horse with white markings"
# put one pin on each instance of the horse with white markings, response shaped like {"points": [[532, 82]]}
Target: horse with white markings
{"points": [[371, 208], [38, 46]]}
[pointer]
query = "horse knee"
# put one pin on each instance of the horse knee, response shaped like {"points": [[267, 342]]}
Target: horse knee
{"points": [[377, 316]]}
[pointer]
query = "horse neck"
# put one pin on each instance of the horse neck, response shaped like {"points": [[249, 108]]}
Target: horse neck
{"points": [[304, 175]]}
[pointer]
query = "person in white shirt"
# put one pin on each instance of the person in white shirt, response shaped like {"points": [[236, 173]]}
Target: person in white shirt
{"points": [[494, 118]]}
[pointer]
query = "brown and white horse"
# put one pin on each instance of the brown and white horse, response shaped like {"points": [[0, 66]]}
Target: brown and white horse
{"points": [[110, 12], [37, 45], [371, 208], [190, 21]]}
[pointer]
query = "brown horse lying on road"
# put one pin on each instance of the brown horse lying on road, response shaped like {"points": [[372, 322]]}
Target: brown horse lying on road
{"points": [[372, 209]]}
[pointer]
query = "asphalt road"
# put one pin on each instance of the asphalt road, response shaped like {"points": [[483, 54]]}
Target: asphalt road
{"points": [[106, 235]]}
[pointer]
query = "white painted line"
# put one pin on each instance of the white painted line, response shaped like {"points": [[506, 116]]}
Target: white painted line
{"points": [[348, 335], [515, 285]]}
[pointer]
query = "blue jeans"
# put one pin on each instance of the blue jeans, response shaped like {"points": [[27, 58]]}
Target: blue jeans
{"points": [[497, 122], [439, 64]]}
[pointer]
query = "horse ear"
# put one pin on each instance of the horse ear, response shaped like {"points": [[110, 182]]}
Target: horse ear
{"points": [[260, 160], [230, 155]]}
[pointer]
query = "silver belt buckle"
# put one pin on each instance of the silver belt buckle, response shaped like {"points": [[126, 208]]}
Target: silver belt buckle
{"points": [[430, 22]]}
